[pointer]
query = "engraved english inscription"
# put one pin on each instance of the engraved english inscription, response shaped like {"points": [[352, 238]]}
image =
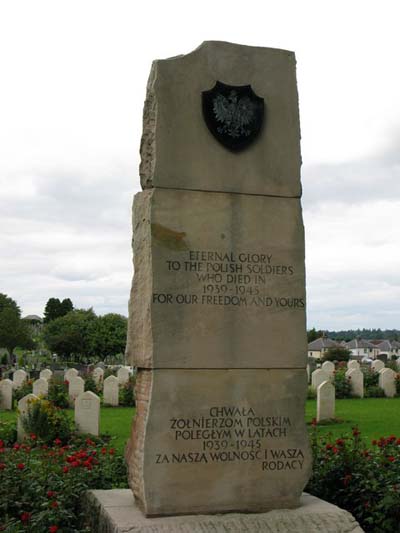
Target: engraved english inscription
{"points": [[230, 279]]}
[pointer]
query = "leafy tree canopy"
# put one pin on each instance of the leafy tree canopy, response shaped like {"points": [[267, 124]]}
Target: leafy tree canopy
{"points": [[8, 303], [313, 334], [14, 332], [56, 309], [82, 335]]}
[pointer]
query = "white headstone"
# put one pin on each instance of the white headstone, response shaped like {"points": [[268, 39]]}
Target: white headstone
{"points": [[387, 382], [377, 365], [356, 378], [6, 394], [111, 391], [318, 377], [87, 413], [46, 374], [23, 406], [76, 386], [71, 373], [123, 375], [329, 368], [19, 377], [325, 401], [308, 373], [40, 387], [352, 364], [98, 374]]}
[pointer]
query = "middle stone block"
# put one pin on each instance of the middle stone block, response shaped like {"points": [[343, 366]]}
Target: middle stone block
{"points": [[219, 281]]}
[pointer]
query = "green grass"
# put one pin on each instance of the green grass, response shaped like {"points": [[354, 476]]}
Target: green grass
{"points": [[375, 417]]}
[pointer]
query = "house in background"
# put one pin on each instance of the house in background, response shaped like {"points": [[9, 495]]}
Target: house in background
{"points": [[317, 348], [361, 348]]}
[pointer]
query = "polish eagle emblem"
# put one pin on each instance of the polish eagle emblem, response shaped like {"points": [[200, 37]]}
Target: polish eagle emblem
{"points": [[233, 114]]}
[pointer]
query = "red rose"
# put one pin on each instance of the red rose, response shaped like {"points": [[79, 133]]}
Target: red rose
{"points": [[65, 469], [53, 529], [112, 451], [54, 504], [335, 450], [20, 466], [391, 458], [16, 446], [57, 442], [2, 466], [1, 443], [33, 436], [25, 517], [51, 493]]}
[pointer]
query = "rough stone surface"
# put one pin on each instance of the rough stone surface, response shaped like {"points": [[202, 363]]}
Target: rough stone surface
{"points": [[216, 427], [179, 152], [40, 387], [114, 511], [377, 365], [6, 394], [87, 413], [387, 382], [202, 310], [46, 374], [356, 381], [19, 377], [76, 386], [325, 401], [111, 391], [23, 406], [318, 377]]}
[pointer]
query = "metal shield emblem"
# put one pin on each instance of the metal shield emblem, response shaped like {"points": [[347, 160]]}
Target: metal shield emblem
{"points": [[233, 114]]}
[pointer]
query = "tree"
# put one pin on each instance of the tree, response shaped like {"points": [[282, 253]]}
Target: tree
{"points": [[313, 334], [337, 353], [14, 332], [108, 335], [66, 306], [8, 303], [56, 309], [68, 335]]}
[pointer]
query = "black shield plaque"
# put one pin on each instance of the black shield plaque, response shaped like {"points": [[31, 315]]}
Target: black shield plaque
{"points": [[233, 114]]}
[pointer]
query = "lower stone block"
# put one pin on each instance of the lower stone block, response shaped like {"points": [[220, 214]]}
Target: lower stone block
{"points": [[216, 441], [114, 511]]}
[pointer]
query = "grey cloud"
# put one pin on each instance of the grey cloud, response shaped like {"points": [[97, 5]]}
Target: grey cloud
{"points": [[369, 179]]}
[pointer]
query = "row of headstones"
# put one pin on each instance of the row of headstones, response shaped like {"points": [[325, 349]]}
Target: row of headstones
{"points": [[76, 385], [387, 377], [87, 413]]}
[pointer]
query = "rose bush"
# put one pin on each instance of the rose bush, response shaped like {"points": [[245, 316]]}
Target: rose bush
{"points": [[364, 480], [41, 486]]}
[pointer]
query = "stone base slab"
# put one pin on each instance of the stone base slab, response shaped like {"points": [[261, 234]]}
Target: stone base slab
{"points": [[114, 511]]}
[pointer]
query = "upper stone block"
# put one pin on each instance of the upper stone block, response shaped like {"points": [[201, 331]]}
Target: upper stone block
{"points": [[178, 150]]}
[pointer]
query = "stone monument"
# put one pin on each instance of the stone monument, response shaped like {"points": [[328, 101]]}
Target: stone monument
{"points": [[217, 310], [217, 326]]}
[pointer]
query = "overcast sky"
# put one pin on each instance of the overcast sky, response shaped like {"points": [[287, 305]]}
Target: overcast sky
{"points": [[73, 77]]}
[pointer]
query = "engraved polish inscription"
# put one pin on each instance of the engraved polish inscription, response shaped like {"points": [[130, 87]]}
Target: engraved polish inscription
{"points": [[229, 434]]}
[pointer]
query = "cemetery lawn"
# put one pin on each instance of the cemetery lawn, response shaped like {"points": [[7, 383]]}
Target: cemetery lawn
{"points": [[374, 417]]}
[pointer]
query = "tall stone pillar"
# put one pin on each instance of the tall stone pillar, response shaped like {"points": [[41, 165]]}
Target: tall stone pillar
{"points": [[217, 324]]}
